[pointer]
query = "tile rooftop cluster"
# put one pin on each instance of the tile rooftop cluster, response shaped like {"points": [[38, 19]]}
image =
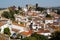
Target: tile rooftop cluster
{"points": [[32, 21]]}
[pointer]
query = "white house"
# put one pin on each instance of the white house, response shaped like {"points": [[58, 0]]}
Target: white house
{"points": [[45, 34], [25, 9], [12, 26], [48, 21]]}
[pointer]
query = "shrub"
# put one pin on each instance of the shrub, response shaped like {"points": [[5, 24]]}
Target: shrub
{"points": [[7, 31]]}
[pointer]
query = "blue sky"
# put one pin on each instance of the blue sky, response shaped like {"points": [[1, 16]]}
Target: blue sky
{"points": [[43, 3]]}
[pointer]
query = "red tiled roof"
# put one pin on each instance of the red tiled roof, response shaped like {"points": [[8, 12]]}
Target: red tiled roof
{"points": [[1, 24], [43, 31], [27, 33], [22, 25]]}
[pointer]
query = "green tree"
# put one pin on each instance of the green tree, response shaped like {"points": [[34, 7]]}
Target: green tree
{"points": [[7, 31], [9, 15], [58, 12], [21, 23], [19, 8], [6, 14], [16, 11], [0, 30], [49, 16], [39, 37], [30, 38], [35, 36], [55, 36]]}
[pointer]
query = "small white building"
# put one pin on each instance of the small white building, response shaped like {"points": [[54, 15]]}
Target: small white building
{"points": [[25, 9], [48, 21], [45, 34], [48, 11]]}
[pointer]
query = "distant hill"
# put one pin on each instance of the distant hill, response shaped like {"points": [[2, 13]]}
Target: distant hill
{"points": [[55, 8], [2, 8]]}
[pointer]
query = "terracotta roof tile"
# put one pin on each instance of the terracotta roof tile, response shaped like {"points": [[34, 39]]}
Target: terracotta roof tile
{"points": [[1, 24], [22, 25], [27, 33]]}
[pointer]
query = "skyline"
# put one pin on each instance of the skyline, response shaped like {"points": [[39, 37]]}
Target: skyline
{"points": [[42, 3]]}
